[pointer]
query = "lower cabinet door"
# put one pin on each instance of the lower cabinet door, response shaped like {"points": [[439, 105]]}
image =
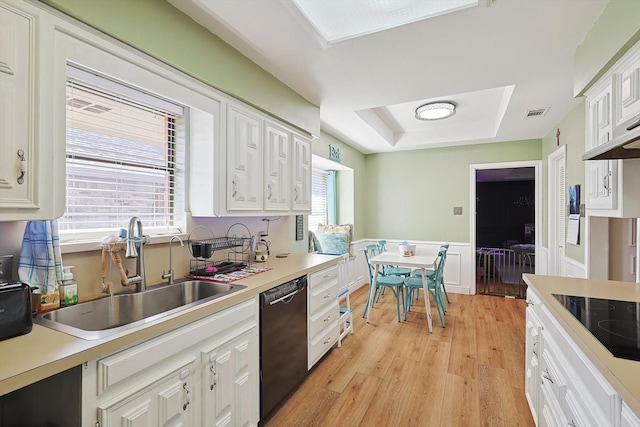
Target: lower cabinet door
{"points": [[230, 383], [165, 402]]}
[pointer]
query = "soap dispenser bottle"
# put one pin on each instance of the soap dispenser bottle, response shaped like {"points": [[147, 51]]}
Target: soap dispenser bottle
{"points": [[69, 288]]}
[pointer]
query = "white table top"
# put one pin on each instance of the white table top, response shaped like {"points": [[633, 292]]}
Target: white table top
{"points": [[424, 258]]}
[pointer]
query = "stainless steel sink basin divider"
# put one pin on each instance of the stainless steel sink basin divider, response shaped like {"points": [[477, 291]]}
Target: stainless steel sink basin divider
{"points": [[110, 315]]}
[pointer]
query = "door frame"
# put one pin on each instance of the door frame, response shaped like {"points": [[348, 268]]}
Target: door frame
{"points": [[537, 165]]}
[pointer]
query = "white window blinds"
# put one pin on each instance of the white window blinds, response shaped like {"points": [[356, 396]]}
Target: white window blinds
{"points": [[318, 213], [125, 157]]}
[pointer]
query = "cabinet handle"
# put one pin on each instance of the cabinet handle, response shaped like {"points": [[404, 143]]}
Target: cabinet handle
{"points": [[23, 166], [571, 423], [328, 318], [533, 348], [327, 295], [188, 397], [235, 191], [270, 192], [214, 377], [545, 375], [327, 341], [295, 193], [531, 303]]}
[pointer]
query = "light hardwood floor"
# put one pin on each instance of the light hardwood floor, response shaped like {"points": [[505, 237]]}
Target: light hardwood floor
{"points": [[470, 373]]}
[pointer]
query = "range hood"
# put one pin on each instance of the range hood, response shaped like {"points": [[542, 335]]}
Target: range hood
{"points": [[624, 145]]}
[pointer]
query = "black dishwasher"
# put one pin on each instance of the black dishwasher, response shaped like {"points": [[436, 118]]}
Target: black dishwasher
{"points": [[283, 341]]}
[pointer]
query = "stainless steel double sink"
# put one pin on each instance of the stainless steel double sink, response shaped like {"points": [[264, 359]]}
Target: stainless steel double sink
{"points": [[113, 314]]}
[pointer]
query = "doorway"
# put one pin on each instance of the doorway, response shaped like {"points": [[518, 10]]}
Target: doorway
{"points": [[505, 230]]}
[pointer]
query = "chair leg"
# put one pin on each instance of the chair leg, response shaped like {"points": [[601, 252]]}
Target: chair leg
{"points": [[439, 302], [444, 288]]}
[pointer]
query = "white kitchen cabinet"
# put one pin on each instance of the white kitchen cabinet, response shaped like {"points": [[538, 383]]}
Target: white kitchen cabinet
{"points": [[229, 382], [533, 347], [31, 156], [610, 103], [204, 373], [626, 83], [569, 389], [277, 168], [301, 174], [244, 159], [324, 311], [601, 174], [165, 402]]}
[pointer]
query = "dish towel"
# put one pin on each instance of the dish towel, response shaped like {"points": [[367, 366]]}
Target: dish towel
{"points": [[40, 257]]}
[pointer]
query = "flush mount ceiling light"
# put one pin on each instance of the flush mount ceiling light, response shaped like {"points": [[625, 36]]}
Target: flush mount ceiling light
{"points": [[435, 110]]}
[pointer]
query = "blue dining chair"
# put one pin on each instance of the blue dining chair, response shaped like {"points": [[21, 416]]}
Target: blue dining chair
{"points": [[418, 273], [392, 269], [414, 284], [395, 283]]}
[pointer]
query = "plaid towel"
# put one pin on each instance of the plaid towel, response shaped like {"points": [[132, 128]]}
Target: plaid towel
{"points": [[40, 257]]}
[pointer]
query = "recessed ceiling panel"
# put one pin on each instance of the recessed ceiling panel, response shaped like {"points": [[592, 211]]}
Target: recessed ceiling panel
{"points": [[346, 19], [478, 116]]}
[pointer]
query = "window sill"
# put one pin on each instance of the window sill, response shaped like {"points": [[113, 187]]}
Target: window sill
{"points": [[77, 246]]}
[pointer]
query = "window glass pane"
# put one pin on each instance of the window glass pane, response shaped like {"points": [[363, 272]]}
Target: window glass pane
{"points": [[318, 213], [123, 159]]}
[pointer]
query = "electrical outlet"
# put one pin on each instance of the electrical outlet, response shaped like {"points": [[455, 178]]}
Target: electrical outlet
{"points": [[457, 210], [6, 266]]}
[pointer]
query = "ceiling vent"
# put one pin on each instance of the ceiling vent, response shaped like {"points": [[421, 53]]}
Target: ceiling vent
{"points": [[536, 112]]}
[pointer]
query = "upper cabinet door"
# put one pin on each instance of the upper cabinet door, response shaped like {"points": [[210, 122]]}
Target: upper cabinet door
{"points": [[277, 174], [244, 160], [301, 197], [17, 110], [31, 154], [627, 89]]}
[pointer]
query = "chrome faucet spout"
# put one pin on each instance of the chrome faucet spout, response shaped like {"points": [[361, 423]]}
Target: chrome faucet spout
{"points": [[139, 279], [170, 274]]}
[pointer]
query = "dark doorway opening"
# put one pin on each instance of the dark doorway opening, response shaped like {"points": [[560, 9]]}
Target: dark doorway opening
{"points": [[505, 230]]}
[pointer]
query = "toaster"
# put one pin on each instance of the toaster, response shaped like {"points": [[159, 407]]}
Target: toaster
{"points": [[15, 309]]}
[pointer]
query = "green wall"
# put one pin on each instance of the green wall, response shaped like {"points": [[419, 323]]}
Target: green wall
{"points": [[411, 194], [615, 31], [162, 31], [571, 136]]}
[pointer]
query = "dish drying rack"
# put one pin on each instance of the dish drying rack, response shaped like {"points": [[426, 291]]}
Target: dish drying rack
{"points": [[238, 241]]}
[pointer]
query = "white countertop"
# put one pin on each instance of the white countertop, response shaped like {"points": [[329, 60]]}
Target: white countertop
{"points": [[622, 374], [44, 352]]}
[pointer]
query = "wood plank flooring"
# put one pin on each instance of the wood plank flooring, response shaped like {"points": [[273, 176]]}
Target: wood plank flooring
{"points": [[387, 373]]}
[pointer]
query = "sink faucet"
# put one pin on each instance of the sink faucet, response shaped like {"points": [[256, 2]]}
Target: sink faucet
{"points": [[139, 279], [169, 274]]}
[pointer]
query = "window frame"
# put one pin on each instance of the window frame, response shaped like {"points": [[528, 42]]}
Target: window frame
{"points": [[101, 83], [90, 50]]}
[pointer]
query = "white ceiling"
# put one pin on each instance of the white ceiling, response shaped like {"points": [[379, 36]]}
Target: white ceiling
{"points": [[496, 61]]}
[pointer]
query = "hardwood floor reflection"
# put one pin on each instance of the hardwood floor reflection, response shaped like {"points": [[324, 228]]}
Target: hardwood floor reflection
{"points": [[387, 373]]}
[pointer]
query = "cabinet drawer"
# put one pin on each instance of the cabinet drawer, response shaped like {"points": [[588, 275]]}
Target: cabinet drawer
{"points": [[578, 414], [324, 277], [581, 374], [322, 296], [324, 318], [322, 343], [550, 374]]}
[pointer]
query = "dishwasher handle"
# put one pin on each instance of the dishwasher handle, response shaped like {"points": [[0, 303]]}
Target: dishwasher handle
{"points": [[281, 299]]}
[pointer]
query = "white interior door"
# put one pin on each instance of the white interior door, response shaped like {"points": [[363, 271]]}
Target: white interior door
{"points": [[557, 212]]}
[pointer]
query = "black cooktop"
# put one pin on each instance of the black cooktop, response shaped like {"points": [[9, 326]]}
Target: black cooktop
{"points": [[616, 324]]}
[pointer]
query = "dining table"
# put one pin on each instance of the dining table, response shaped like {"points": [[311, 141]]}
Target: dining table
{"points": [[423, 259]]}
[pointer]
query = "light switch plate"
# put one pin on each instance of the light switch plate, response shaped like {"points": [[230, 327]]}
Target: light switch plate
{"points": [[457, 210]]}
